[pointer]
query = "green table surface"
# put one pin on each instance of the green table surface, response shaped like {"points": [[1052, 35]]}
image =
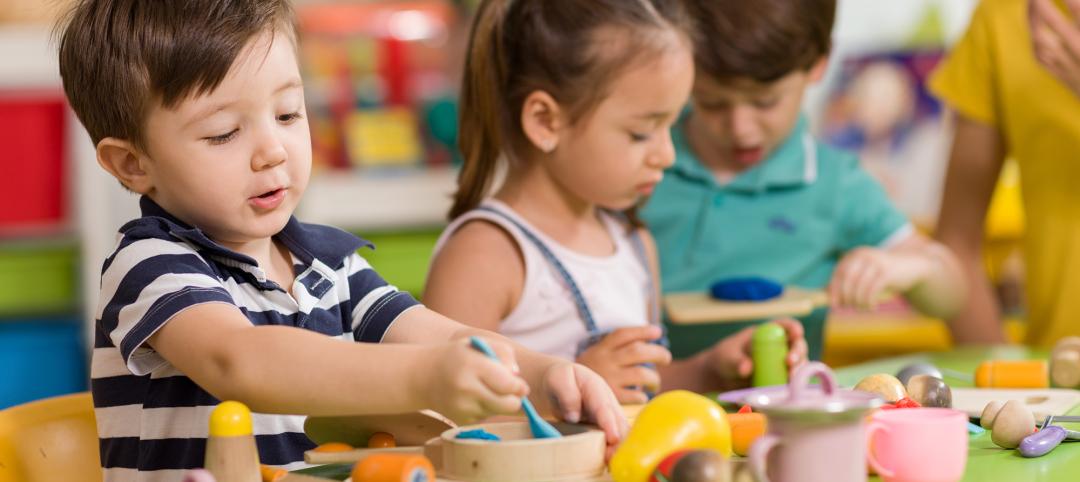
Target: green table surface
{"points": [[986, 462]]}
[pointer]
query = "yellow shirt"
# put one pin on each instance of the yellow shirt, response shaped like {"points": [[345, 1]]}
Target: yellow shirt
{"points": [[991, 76]]}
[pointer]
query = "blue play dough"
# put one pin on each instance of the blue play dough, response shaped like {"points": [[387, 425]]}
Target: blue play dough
{"points": [[745, 289], [478, 434]]}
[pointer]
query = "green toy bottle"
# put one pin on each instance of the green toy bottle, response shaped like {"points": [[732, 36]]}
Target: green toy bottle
{"points": [[769, 350]]}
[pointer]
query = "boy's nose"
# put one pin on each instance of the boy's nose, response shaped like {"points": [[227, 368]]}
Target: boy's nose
{"points": [[742, 124], [270, 152]]}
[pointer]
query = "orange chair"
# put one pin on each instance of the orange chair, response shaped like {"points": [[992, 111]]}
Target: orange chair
{"points": [[54, 439]]}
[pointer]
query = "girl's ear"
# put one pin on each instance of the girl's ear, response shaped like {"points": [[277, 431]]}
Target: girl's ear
{"points": [[541, 121], [124, 162], [817, 71]]}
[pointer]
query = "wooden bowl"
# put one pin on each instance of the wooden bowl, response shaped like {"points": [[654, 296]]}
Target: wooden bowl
{"points": [[578, 455]]}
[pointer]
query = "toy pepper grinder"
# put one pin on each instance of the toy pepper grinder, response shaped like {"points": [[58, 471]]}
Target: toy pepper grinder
{"points": [[769, 350], [231, 454]]}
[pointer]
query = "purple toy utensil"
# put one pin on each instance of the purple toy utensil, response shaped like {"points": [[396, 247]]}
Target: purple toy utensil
{"points": [[1042, 442]]}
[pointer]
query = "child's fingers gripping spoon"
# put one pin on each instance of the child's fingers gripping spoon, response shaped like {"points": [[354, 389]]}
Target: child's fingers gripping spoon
{"points": [[540, 427]]}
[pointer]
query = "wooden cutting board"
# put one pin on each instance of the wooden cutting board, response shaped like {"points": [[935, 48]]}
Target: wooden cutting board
{"points": [[699, 307], [408, 428], [1041, 401]]}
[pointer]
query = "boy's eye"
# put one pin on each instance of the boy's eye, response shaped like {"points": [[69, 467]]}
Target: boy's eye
{"points": [[287, 118], [637, 137], [215, 140], [765, 103]]}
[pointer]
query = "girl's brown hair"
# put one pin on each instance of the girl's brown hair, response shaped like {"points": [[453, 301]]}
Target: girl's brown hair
{"points": [[571, 49]]}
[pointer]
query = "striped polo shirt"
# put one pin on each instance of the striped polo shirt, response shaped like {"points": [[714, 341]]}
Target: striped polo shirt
{"points": [[152, 420]]}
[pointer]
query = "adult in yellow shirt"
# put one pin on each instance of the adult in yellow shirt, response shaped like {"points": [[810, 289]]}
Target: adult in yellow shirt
{"points": [[1010, 91]]}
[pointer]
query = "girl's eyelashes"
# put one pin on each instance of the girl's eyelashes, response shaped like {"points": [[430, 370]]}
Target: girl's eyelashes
{"points": [[216, 140]]}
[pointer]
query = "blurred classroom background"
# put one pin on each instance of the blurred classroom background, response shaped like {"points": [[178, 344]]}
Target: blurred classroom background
{"points": [[381, 79]]}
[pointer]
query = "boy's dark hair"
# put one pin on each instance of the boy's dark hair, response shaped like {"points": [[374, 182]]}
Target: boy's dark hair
{"points": [[763, 40], [117, 57]]}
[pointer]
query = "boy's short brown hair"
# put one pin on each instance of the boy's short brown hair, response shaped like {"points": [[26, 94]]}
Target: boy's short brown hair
{"points": [[763, 40], [118, 57]]}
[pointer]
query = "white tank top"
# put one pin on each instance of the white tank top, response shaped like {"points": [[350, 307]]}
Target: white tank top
{"points": [[617, 287]]}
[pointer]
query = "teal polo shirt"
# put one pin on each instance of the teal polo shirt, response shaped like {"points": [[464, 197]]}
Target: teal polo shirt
{"points": [[790, 219]]}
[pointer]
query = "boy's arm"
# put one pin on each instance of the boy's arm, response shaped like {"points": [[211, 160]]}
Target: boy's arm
{"points": [[939, 287], [280, 369], [974, 164]]}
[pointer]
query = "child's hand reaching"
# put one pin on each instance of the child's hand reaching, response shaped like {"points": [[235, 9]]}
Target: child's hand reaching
{"points": [[580, 395], [619, 356], [730, 359], [464, 385], [867, 275]]}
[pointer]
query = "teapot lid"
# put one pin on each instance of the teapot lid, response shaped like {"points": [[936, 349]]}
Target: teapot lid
{"points": [[802, 401]]}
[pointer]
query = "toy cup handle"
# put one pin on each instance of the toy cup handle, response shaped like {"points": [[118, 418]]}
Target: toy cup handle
{"points": [[800, 380], [871, 430], [759, 455]]}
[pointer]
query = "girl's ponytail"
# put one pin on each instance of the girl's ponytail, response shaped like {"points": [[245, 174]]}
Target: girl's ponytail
{"points": [[482, 137]]}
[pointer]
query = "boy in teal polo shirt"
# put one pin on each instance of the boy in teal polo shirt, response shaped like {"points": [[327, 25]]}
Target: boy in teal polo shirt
{"points": [[753, 194]]}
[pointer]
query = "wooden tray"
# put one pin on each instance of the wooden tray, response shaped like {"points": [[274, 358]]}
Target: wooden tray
{"points": [[699, 307], [1041, 401]]}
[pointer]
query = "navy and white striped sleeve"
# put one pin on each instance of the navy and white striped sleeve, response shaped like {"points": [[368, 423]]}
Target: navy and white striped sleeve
{"points": [[374, 303], [143, 285]]}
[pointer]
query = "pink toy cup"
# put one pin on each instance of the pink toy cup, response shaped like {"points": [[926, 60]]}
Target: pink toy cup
{"points": [[816, 433], [918, 444]]}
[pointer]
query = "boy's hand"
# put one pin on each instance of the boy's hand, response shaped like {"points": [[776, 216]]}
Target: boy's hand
{"points": [[867, 275], [580, 395], [464, 385], [730, 359], [619, 357]]}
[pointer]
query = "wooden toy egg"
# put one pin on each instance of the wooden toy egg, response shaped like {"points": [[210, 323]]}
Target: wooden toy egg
{"points": [[929, 391], [883, 385], [986, 420], [905, 374], [693, 466], [1065, 363], [1011, 424]]}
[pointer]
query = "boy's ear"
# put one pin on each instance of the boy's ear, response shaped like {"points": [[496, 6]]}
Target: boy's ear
{"points": [[817, 71], [541, 120], [124, 162]]}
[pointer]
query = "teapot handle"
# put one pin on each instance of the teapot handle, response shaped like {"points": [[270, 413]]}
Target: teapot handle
{"points": [[800, 380]]}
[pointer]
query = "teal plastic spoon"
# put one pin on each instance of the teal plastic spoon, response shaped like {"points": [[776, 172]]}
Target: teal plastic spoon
{"points": [[540, 427]]}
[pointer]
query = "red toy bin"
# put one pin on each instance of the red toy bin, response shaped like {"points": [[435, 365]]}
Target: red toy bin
{"points": [[33, 176]]}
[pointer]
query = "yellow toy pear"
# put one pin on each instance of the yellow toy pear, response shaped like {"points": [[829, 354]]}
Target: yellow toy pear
{"points": [[676, 420]]}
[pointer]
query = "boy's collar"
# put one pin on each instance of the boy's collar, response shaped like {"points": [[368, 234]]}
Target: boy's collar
{"points": [[307, 242], [793, 163]]}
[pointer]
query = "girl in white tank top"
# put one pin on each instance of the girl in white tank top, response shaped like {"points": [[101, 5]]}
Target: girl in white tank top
{"points": [[576, 99], [547, 317]]}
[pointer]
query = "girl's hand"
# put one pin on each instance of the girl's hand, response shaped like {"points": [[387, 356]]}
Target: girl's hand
{"points": [[464, 385], [619, 356], [580, 395], [730, 360], [866, 276]]}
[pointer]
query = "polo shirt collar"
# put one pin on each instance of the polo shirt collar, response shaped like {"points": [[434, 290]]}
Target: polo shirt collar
{"points": [[306, 241], [792, 164]]}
